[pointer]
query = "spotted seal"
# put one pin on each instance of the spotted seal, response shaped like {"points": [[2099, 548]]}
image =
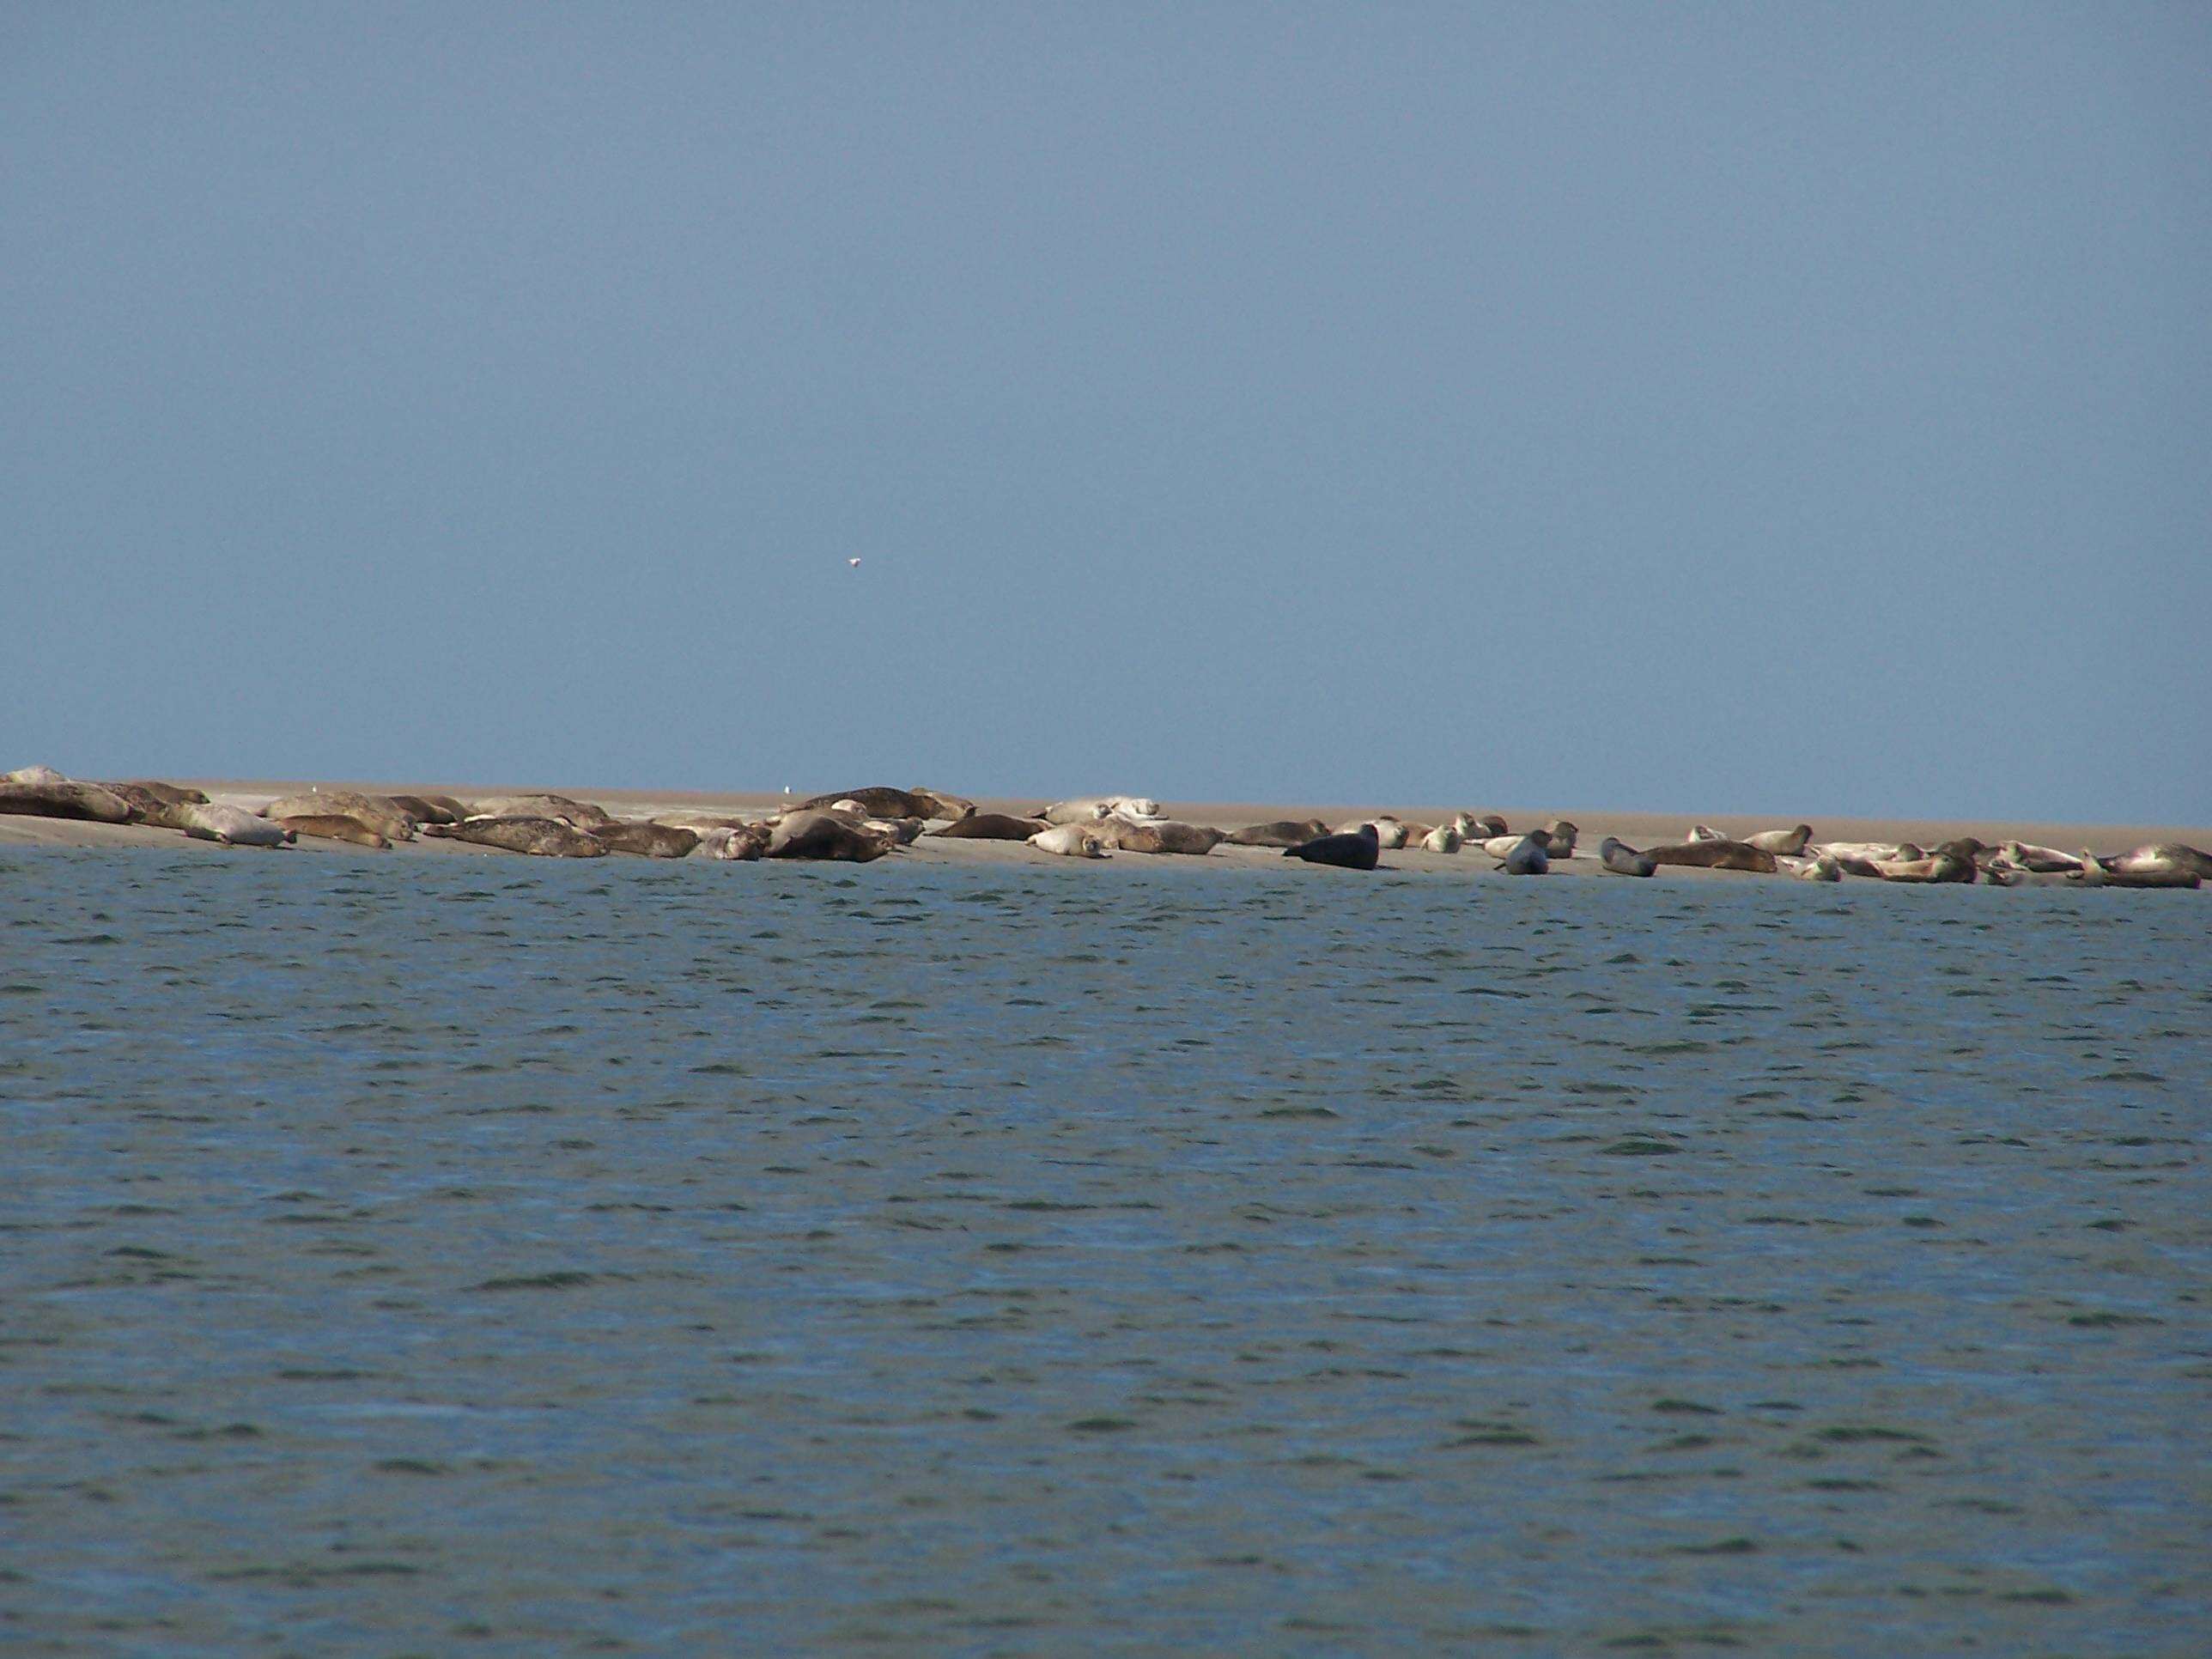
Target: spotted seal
{"points": [[537, 837]]}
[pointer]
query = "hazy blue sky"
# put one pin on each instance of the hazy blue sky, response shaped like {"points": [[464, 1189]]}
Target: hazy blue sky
{"points": [[1797, 409]]}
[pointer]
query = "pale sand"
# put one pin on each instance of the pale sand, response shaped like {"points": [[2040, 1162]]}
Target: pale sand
{"points": [[1638, 829]]}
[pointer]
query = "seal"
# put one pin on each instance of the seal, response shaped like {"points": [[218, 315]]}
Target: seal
{"points": [[1936, 867], [170, 794], [1788, 842], [1071, 841], [1347, 849], [149, 808], [1818, 869], [642, 838], [822, 835], [1560, 838], [66, 799], [1481, 828], [576, 814], [1703, 832], [232, 826], [1281, 832], [1531, 855], [1722, 854], [334, 827], [988, 826], [430, 809], [881, 801], [1621, 858], [377, 813], [2153, 876], [1445, 838], [2039, 860], [2164, 855], [734, 843], [1086, 809], [1865, 851], [1158, 836], [42, 775], [544, 838]]}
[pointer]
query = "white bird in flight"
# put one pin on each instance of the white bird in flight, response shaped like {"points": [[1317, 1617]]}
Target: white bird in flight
{"points": [[855, 564]]}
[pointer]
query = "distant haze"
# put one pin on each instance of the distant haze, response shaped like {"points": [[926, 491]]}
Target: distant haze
{"points": [[1789, 409]]}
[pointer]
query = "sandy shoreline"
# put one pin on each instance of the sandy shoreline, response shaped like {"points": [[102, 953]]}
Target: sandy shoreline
{"points": [[1638, 828]]}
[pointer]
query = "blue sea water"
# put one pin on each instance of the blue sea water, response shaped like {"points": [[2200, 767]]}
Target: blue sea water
{"points": [[497, 1257]]}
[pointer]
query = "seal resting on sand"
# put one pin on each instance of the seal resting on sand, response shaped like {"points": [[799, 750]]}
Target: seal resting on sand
{"points": [[732, 843], [1445, 838], [330, 826], [2167, 866], [543, 838], [988, 826], [1347, 849], [881, 801], [645, 839], [577, 814], [1160, 835], [1070, 840], [379, 813], [813, 834], [1715, 855], [1531, 855], [1282, 832], [2162, 858], [1084, 810], [67, 798], [1938, 867], [1559, 837], [430, 809], [1389, 832], [1787, 842], [1622, 859], [233, 826]]}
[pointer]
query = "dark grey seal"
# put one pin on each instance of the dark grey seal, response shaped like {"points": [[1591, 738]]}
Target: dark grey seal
{"points": [[1357, 850]]}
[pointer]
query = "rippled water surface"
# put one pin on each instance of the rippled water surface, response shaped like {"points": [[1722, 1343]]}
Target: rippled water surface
{"points": [[484, 1257]]}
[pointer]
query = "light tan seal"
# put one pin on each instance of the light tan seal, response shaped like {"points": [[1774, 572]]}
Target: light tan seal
{"points": [[1937, 867], [1086, 808], [378, 812], [333, 827], [1785, 842], [1071, 841], [233, 826], [1160, 835]]}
